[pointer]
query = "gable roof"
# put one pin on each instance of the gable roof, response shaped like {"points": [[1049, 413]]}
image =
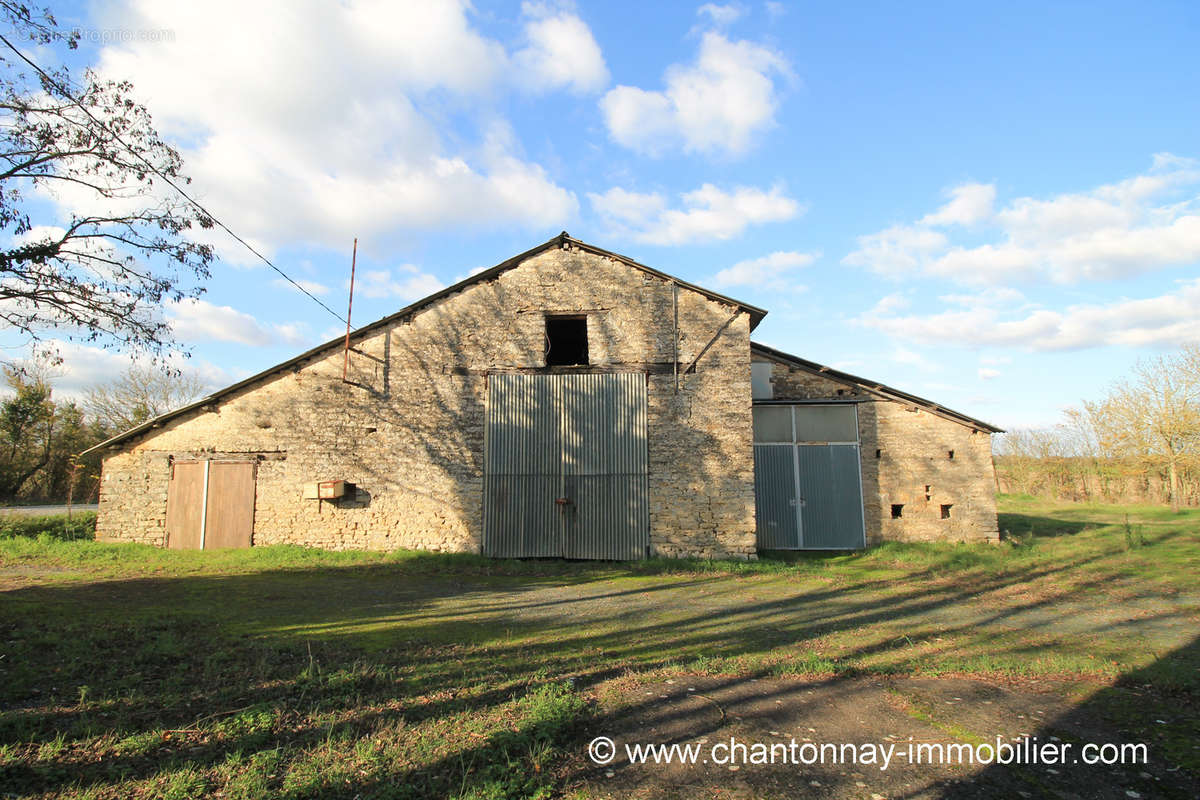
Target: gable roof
{"points": [[562, 240], [871, 387]]}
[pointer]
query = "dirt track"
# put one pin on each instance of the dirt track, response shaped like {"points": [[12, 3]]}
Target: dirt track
{"points": [[893, 714]]}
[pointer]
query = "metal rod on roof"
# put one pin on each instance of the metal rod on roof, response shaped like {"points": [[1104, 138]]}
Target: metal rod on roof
{"points": [[349, 308]]}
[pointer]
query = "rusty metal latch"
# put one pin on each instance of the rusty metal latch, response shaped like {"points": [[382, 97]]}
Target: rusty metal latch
{"points": [[564, 501]]}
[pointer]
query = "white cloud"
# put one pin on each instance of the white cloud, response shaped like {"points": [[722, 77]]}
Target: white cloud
{"points": [[897, 250], [718, 105], [991, 296], [1142, 224], [561, 54], [312, 287], [721, 15], [775, 9], [707, 214], [969, 204], [405, 282], [384, 125], [987, 373], [890, 303], [83, 367], [1168, 320], [902, 355], [194, 320], [767, 271]]}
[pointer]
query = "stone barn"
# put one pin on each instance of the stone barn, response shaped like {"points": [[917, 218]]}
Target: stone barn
{"points": [[569, 402]]}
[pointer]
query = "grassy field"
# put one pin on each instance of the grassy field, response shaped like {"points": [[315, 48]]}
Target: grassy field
{"points": [[129, 671]]}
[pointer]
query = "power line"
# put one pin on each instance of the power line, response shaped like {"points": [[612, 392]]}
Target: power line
{"points": [[167, 180]]}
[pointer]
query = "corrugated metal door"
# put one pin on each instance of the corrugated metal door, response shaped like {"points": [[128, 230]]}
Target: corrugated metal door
{"points": [[566, 467], [606, 515], [807, 477], [830, 487], [523, 472], [185, 505], [775, 497]]}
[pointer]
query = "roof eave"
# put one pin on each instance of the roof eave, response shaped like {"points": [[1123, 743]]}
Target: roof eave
{"points": [[877, 388]]}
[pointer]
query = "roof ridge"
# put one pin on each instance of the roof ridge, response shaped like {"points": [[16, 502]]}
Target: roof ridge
{"points": [[563, 238]]}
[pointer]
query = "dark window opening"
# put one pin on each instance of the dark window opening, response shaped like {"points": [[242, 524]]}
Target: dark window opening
{"points": [[566, 341], [950, 454], [927, 495], [946, 510], [897, 510], [879, 454], [841, 392]]}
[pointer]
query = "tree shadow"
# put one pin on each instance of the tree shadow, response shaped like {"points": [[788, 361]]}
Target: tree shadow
{"points": [[1017, 524], [195, 674], [1155, 707]]}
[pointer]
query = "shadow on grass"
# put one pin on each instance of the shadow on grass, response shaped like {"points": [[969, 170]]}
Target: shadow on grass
{"points": [[380, 680], [1155, 706], [1020, 525]]}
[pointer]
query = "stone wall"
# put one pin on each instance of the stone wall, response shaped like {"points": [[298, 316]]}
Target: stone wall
{"points": [[408, 429], [912, 458]]}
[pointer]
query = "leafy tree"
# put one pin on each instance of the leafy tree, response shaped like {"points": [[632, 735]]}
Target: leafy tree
{"points": [[101, 274], [26, 430], [1154, 416], [140, 394], [40, 439]]}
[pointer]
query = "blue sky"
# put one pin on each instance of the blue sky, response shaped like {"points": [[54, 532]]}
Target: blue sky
{"points": [[995, 208]]}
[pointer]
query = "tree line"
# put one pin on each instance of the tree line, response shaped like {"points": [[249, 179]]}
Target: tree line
{"points": [[1140, 442], [41, 436]]}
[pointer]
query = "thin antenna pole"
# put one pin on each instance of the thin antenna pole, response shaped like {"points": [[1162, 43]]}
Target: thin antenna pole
{"points": [[349, 308]]}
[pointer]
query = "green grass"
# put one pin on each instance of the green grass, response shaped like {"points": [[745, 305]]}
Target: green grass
{"points": [[77, 527], [130, 671]]}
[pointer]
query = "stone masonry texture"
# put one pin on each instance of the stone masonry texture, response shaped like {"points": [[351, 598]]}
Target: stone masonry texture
{"points": [[408, 427]]}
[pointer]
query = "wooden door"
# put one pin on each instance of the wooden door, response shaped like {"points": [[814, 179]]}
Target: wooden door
{"points": [[210, 504], [185, 505], [229, 519]]}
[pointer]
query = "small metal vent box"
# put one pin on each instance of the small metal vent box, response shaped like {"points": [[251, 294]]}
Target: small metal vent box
{"points": [[325, 490], [331, 490]]}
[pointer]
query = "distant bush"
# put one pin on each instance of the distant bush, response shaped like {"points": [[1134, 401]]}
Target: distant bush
{"points": [[81, 525]]}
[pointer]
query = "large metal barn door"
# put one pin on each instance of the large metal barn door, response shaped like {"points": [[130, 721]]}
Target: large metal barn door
{"points": [[606, 513], [775, 502], [523, 468], [566, 467], [210, 504], [807, 477], [830, 487]]}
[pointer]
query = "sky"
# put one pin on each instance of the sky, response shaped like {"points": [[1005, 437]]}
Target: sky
{"points": [[997, 208]]}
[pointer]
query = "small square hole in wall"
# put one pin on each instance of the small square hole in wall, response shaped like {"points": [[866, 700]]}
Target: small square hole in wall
{"points": [[897, 510], [950, 454], [566, 340], [879, 454], [946, 510]]}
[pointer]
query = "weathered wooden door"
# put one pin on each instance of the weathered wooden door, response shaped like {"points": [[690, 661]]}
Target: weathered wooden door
{"points": [[566, 467], [185, 505], [210, 504]]}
